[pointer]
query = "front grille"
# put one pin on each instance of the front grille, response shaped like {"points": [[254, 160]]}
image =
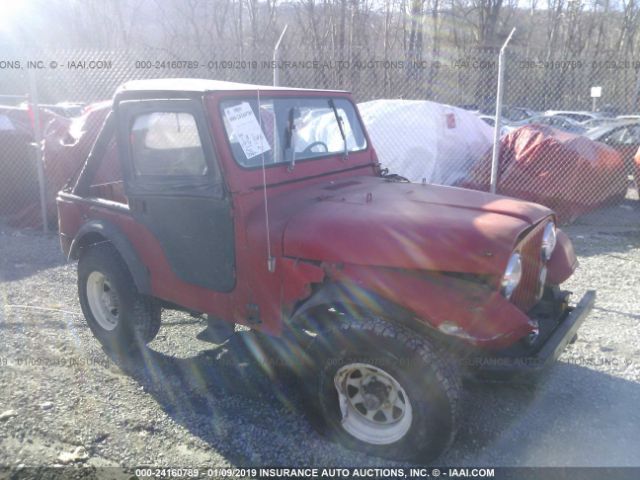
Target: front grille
{"points": [[525, 296]]}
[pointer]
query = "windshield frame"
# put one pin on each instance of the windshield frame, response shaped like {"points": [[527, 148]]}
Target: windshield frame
{"points": [[268, 95]]}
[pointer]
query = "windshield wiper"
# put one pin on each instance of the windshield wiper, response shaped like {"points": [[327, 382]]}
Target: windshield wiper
{"points": [[393, 177], [341, 128]]}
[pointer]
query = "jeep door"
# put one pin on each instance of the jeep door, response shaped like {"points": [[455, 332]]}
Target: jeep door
{"points": [[175, 187]]}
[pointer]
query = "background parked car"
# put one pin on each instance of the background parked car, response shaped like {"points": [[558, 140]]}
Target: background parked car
{"points": [[12, 100], [622, 136], [568, 173], [518, 114], [19, 189], [599, 122], [628, 117], [65, 146], [636, 172], [510, 114], [558, 121], [18, 176], [491, 121], [420, 140], [577, 116], [22, 119], [67, 109]]}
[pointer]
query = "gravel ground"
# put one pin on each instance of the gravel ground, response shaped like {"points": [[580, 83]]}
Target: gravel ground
{"points": [[195, 403]]}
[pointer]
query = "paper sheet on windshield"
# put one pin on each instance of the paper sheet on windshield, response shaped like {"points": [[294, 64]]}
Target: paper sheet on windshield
{"points": [[246, 130]]}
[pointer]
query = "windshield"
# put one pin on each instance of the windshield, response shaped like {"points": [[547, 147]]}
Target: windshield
{"points": [[288, 130]]}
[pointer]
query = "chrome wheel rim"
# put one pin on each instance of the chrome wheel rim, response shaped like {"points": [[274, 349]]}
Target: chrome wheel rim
{"points": [[103, 301], [374, 407]]}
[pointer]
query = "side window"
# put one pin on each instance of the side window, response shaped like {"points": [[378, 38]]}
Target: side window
{"points": [[167, 144], [107, 182], [109, 170]]}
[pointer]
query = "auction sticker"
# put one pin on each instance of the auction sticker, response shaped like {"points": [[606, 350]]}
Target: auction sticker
{"points": [[246, 129]]}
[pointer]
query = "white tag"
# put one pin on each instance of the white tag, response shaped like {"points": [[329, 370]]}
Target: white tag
{"points": [[246, 130]]}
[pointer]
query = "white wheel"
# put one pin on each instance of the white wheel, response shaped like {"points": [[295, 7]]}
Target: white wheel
{"points": [[117, 314], [382, 389], [103, 301], [375, 408]]}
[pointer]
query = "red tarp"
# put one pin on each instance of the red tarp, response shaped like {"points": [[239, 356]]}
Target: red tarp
{"points": [[19, 190], [65, 154], [66, 144], [568, 173]]}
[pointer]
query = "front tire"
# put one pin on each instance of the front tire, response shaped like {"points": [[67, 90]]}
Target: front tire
{"points": [[384, 390], [120, 317]]}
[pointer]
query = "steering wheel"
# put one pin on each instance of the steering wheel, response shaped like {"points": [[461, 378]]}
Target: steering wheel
{"points": [[315, 144]]}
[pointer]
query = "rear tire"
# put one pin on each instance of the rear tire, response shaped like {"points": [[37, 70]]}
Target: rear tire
{"points": [[120, 317], [381, 389]]}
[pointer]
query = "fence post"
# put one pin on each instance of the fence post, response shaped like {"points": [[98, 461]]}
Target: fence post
{"points": [[276, 72], [498, 119], [37, 136]]}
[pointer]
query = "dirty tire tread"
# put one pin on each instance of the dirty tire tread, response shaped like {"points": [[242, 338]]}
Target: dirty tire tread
{"points": [[143, 315], [448, 372], [443, 365]]}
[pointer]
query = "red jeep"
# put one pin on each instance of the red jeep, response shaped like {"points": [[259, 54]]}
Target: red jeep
{"points": [[266, 207]]}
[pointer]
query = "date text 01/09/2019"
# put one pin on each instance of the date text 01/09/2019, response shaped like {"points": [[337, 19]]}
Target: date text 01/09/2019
{"points": [[366, 472]]}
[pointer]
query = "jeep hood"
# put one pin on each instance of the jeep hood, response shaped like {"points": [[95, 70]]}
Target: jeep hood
{"points": [[372, 221]]}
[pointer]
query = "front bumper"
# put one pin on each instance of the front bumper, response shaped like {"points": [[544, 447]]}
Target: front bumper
{"points": [[538, 358]]}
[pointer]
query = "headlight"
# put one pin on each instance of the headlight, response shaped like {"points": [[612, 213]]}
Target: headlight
{"points": [[548, 241], [512, 275]]}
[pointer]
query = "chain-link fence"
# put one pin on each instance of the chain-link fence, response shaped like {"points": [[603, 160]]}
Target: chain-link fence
{"points": [[430, 120], [20, 180]]}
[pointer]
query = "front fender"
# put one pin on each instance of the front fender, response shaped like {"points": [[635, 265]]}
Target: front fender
{"points": [[347, 297], [563, 261], [483, 316]]}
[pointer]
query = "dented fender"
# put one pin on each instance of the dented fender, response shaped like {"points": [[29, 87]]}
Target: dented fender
{"points": [[484, 317], [563, 261]]}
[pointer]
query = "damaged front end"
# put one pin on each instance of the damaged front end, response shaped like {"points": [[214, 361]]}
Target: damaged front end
{"points": [[554, 325], [489, 325]]}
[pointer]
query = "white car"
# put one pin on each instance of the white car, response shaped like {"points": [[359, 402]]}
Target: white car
{"points": [[578, 116], [601, 122], [425, 141], [505, 128], [560, 122]]}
